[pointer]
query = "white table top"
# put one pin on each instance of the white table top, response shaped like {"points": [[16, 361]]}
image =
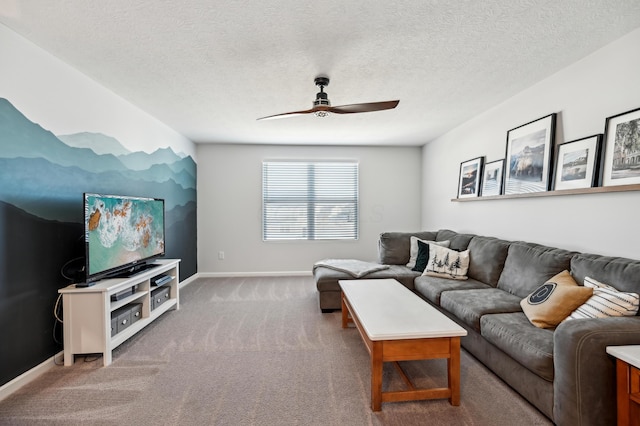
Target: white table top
{"points": [[388, 310], [629, 354]]}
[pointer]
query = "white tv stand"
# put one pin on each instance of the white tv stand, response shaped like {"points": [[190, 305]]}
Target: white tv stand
{"points": [[88, 311]]}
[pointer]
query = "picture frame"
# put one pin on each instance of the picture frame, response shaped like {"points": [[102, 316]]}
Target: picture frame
{"points": [[492, 178], [528, 156], [621, 163], [469, 178], [577, 163]]}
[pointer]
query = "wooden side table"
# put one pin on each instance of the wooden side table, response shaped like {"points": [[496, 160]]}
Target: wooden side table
{"points": [[628, 383]]}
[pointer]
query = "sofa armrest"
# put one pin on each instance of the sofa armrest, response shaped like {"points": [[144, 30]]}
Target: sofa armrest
{"points": [[584, 374]]}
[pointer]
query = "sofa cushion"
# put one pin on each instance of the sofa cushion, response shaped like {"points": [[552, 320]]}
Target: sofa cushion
{"points": [[457, 241], [327, 278], [606, 302], [514, 335], [529, 265], [486, 259], [431, 288], [548, 305], [618, 272], [447, 263], [470, 305], [394, 247]]}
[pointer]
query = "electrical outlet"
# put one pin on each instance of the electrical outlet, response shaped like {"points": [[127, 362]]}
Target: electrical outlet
{"points": [[221, 255]]}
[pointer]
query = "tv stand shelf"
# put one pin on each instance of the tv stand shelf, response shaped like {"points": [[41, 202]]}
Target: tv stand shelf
{"points": [[129, 299], [89, 313]]}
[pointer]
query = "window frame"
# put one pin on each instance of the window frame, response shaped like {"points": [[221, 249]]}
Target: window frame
{"points": [[312, 231]]}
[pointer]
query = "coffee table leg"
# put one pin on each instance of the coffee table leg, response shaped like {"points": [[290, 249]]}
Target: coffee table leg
{"points": [[345, 313], [454, 370], [376, 376]]}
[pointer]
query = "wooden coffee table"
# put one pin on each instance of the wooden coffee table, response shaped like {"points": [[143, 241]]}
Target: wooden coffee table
{"points": [[396, 325]]}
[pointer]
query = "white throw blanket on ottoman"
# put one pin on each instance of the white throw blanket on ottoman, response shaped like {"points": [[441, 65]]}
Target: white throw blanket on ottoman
{"points": [[355, 268]]}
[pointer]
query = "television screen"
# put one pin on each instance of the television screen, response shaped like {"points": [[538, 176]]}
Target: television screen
{"points": [[121, 232]]}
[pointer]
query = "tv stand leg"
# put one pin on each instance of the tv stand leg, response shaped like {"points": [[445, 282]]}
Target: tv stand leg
{"points": [[106, 358], [68, 358]]}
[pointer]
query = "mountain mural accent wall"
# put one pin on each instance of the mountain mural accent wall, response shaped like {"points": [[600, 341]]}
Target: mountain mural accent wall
{"points": [[42, 180]]}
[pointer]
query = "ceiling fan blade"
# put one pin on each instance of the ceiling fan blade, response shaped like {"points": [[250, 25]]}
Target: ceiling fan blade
{"points": [[288, 114], [368, 107]]}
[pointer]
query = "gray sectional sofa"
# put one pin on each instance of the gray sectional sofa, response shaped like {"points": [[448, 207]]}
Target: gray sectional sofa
{"points": [[565, 372]]}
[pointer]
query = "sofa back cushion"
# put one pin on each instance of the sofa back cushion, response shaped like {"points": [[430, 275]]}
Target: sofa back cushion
{"points": [[486, 259], [621, 273], [458, 242], [528, 266], [394, 247]]}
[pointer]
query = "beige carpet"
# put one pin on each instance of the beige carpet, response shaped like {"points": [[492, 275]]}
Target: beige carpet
{"points": [[252, 351]]}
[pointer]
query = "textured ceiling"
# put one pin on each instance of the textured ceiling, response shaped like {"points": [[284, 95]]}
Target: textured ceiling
{"points": [[209, 68]]}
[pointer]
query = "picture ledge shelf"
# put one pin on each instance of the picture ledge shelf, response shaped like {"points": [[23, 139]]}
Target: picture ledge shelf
{"points": [[594, 190]]}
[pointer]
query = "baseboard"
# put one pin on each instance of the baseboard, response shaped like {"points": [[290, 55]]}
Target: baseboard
{"points": [[28, 376], [189, 280], [254, 274]]}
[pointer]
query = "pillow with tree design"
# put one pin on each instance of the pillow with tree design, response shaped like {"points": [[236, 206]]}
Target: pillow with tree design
{"points": [[447, 263]]}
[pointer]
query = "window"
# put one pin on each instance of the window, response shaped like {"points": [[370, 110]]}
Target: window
{"points": [[309, 200]]}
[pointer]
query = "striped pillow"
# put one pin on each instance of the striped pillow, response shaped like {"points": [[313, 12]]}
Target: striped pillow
{"points": [[606, 302]]}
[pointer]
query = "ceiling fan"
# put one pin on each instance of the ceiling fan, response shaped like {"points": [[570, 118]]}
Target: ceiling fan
{"points": [[322, 107]]}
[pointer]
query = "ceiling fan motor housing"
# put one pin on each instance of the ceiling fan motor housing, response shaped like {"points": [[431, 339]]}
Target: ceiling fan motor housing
{"points": [[321, 99]]}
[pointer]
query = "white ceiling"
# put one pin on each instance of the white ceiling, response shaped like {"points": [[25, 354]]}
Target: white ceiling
{"points": [[209, 68]]}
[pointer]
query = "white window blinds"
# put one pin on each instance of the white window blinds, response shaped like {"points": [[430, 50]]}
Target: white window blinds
{"points": [[309, 200]]}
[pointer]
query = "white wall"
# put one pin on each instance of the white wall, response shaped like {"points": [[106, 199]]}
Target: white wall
{"points": [[584, 94], [65, 101], [230, 203]]}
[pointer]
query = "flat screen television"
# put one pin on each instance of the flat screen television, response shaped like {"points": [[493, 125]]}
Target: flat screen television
{"points": [[121, 234]]}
